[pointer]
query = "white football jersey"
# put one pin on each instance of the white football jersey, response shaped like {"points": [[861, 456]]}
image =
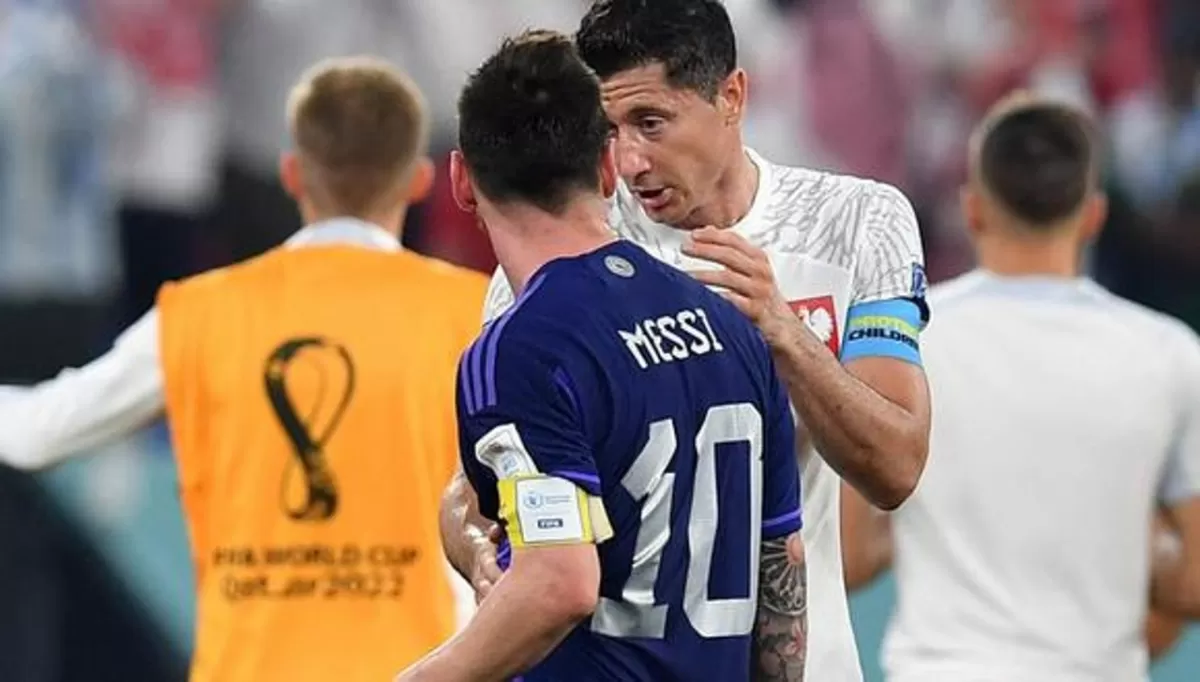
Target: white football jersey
{"points": [[1062, 415], [833, 241]]}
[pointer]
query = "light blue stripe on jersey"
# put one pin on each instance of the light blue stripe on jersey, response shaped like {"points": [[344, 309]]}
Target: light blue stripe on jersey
{"points": [[883, 329]]}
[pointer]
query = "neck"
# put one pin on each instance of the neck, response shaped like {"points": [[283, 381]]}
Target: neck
{"points": [[526, 238], [733, 195], [391, 219], [1017, 253]]}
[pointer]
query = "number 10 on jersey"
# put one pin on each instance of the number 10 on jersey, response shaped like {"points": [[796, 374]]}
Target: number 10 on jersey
{"points": [[637, 613]]}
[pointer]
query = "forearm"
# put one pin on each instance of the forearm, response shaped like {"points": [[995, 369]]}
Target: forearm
{"points": [[866, 540], [781, 626], [1175, 583], [1162, 632], [519, 624], [461, 525], [84, 408], [875, 444]]}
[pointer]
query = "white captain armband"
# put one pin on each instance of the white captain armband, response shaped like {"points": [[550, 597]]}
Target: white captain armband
{"points": [[542, 510], [884, 329]]}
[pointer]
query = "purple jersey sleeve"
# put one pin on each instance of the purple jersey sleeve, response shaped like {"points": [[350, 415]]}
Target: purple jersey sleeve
{"points": [[781, 472], [518, 412]]}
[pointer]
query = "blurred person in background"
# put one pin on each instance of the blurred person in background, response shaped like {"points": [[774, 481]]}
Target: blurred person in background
{"points": [[1063, 417], [808, 255], [57, 112], [563, 416], [167, 138], [309, 393]]}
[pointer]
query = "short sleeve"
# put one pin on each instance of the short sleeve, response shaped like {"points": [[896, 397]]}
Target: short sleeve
{"points": [[781, 472], [890, 263], [499, 296], [1181, 478], [518, 414]]}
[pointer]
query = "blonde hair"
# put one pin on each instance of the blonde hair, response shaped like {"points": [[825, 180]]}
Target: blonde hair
{"points": [[358, 125]]}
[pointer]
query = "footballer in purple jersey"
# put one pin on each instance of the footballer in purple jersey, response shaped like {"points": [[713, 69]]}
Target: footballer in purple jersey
{"points": [[619, 396], [623, 423]]}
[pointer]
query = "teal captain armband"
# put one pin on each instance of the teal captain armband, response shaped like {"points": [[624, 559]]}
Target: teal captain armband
{"points": [[884, 329]]}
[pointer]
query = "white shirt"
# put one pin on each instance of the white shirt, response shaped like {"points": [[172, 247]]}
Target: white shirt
{"points": [[122, 391], [1061, 416], [833, 241]]}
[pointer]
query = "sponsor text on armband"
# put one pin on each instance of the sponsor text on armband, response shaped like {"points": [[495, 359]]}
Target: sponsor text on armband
{"points": [[888, 329]]}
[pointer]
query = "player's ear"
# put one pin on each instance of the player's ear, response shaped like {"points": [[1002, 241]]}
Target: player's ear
{"points": [[1095, 213], [460, 183], [420, 183], [972, 209], [731, 98], [608, 169], [291, 175]]}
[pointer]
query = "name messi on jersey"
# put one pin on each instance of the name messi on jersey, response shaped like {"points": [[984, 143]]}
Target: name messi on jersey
{"points": [[669, 338]]}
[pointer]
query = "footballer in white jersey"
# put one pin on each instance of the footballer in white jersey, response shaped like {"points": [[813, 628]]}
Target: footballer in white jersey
{"points": [[1064, 419], [834, 242], [828, 267]]}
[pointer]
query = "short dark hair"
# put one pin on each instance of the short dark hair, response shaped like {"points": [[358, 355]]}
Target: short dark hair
{"points": [[531, 125], [1039, 160], [358, 124], [692, 39]]}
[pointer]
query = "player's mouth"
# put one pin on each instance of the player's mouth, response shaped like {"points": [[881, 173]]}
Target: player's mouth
{"points": [[654, 199]]}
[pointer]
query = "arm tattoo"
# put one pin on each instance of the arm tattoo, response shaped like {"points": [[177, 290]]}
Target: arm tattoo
{"points": [[781, 630]]}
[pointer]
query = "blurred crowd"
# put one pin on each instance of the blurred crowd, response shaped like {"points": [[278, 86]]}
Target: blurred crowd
{"points": [[139, 138]]}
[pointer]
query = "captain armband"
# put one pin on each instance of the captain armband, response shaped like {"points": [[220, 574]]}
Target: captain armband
{"points": [[542, 510], [884, 329]]}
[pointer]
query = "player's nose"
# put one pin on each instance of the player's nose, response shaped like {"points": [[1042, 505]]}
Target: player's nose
{"points": [[632, 160]]}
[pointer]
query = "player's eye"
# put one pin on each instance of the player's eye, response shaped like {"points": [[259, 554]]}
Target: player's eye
{"points": [[651, 125]]}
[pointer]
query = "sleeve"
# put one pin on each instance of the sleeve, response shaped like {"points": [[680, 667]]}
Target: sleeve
{"points": [[1181, 477], [523, 444], [499, 296], [888, 309], [86, 407], [890, 263], [781, 471]]}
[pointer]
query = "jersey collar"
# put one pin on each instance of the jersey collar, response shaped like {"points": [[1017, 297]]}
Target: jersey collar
{"points": [[752, 221], [344, 232]]}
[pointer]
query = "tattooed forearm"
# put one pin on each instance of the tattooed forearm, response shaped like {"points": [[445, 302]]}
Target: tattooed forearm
{"points": [[781, 630]]}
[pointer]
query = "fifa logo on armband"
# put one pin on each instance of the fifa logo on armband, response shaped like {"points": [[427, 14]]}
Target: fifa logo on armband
{"points": [[820, 316], [309, 404]]}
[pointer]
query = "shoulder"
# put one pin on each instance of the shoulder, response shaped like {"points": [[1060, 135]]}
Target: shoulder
{"points": [[955, 290], [846, 221], [535, 323], [1152, 324], [216, 281], [1161, 329], [837, 200], [518, 353]]}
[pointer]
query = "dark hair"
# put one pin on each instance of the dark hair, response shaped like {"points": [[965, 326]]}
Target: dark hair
{"points": [[692, 39], [1039, 160], [531, 125]]}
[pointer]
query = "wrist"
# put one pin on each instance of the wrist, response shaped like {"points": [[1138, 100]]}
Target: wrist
{"points": [[787, 333]]}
